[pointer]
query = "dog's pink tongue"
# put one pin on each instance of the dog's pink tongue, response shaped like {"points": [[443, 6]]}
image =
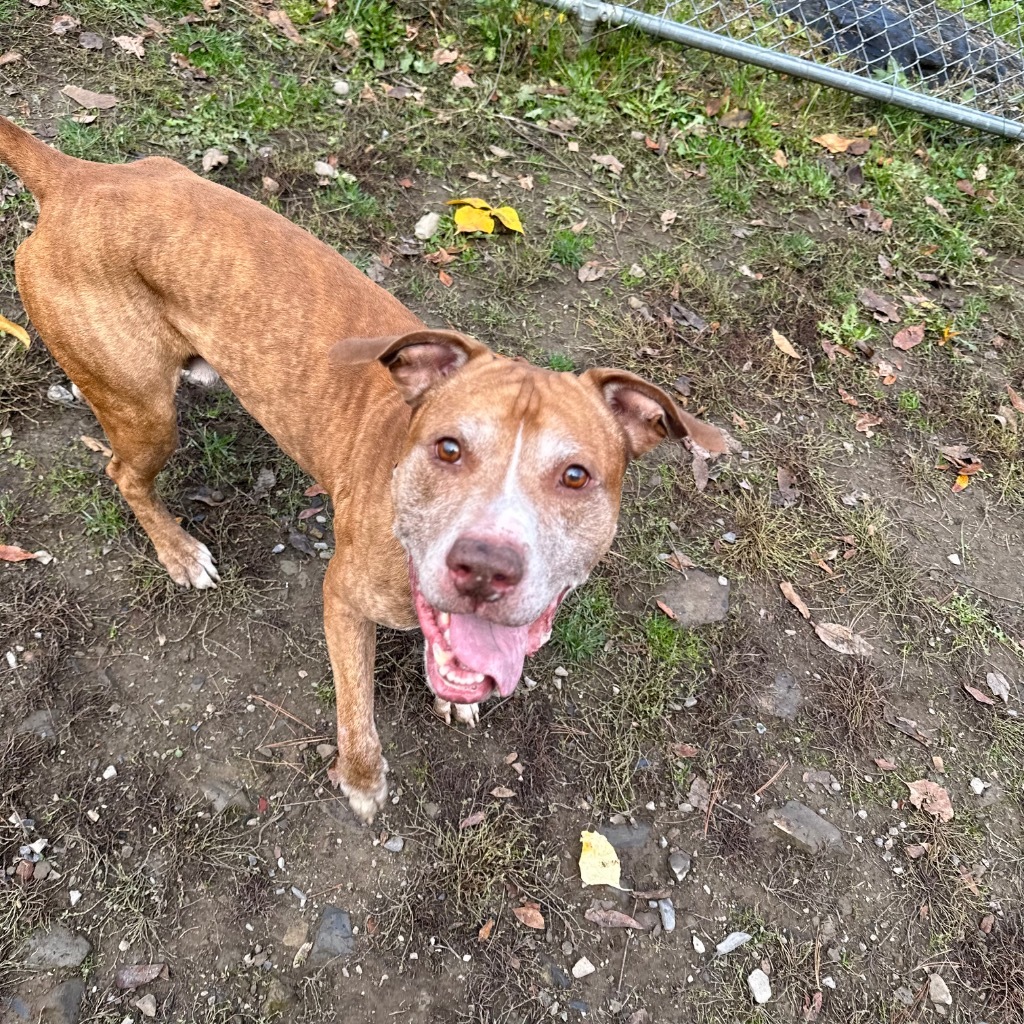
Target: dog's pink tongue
{"points": [[497, 651]]}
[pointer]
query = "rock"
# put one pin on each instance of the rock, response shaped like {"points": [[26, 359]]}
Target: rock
{"points": [[60, 395], [14, 1010], [668, 915], [783, 698], [146, 1005], [40, 723], [626, 837], [759, 985], [90, 41], [698, 945], [426, 227], [731, 942], [295, 934], [225, 793], [938, 991], [904, 995], [58, 947], [340, 87], [63, 1003], [978, 787], [582, 968], [679, 863], [334, 936], [696, 599], [324, 170], [278, 999], [394, 844], [808, 830]]}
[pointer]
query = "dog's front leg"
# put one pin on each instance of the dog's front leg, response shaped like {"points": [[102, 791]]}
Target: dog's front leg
{"points": [[359, 769]]}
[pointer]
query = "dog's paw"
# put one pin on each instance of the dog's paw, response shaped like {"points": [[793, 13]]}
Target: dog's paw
{"points": [[365, 801], [191, 565], [466, 714]]}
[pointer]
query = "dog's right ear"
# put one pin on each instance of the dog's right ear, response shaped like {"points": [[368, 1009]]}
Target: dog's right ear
{"points": [[417, 360]]}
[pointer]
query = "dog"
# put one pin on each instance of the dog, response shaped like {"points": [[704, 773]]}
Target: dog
{"points": [[471, 492]]}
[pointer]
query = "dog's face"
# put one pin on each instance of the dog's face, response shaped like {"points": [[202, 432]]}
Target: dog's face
{"points": [[507, 494]]}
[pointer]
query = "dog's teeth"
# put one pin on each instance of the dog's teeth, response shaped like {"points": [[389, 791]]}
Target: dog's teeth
{"points": [[441, 656], [447, 634], [477, 678], [444, 620]]}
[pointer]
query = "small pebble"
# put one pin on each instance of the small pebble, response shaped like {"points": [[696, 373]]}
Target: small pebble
{"points": [[680, 863], [760, 986], [978, 787], [341, 87], [110, 772], [582, 968], [395, 844], [668, 915], [698, 946]]}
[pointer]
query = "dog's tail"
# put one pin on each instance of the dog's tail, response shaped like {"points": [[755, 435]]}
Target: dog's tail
{"points": [[33, 161]]}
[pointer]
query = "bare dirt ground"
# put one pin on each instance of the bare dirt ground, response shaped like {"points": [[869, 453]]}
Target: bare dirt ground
{"points": [[163, 754]]}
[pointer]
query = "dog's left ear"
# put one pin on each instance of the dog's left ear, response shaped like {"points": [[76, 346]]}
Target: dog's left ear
{"points": [[417, 360], [648, 415]]}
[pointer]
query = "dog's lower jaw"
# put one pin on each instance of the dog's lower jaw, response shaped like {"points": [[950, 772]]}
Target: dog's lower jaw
{"points": [[466, 714], [366, 798]]}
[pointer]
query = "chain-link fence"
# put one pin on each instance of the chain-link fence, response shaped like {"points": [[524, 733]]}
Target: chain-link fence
{"points": [[962, 60]]}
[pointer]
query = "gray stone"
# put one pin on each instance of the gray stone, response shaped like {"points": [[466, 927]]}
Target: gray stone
{"points": [[680, 863], [58, 947], [783, 698], [40, 723], [626, 837], [63, 1003], [808, 830], [225, 794], [394, 844], [905, 996], [938, 991], [278, 999], [696, 599], [334, 936], [582, 968], [759, 985], [14, 1010], [668, 915]]}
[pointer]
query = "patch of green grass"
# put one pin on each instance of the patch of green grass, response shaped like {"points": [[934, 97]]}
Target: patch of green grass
{"points": [[218, 457], [561, 363], [973, 627], [570, 249], [674, 647], [584, 622]]}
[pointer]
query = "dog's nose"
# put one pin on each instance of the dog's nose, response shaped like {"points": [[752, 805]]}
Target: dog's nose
{"points": [[484, 569]]}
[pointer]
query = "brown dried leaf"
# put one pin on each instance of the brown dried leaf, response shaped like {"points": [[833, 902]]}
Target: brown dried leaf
{"points": [[610, 162], [590, 271], [843, 640], [1015, 400], [136, 975], [612, 919], [865, 422], [95, 445], [847, 397], [916, 851], [10, 553], [530, 916], [779, 159], [701, 474], [836, 144], [474, 819], [932, 798], [885, 764], [132, 44], [665, 608], [502, 792], [445, 278], [736, 118], [90, 99], [485, 931], [909, 337], [790, 594], [783, 344], [281, 21], [884, 310], [981, 698], [932, 202], [442, 56], [461, 80], [10, 57], [684, 750]]}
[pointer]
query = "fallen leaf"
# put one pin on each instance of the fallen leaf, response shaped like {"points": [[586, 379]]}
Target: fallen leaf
{"points": [[607, 160], [474, 819], [885, 266], [530, 916], [865, 422], [612, 919], [836, 144], [885, 765], [1015, 400], [136, 975], [445, 278], [90, 99], [502, 792], [909, 337], [847, 397], [599, 863], [916, 850], [931, 797], [789, 493], [783, 344], [981, 698], [525, 182], [442, 56], [678, 561], [812, 1006], [132, 44], [308, 513], [736, 118], [95, 445], [967, 877], [460, 80], [485, 931], [667, 218], [471, 218], [665, 608], [313, 491], [701, 474], [15, 331], [961, 483], [843, 640], [999, 685], [684, 750], [62, 24], [590, 271], [779, 159], [884, 310], [509, 218], [10, 553], [932, 202], [281, 21], [790, 594], [214, 158], [986, 923], [10, 57]]}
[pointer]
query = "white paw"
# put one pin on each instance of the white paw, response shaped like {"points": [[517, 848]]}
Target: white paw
{"points": [[467, 714], [365, 803], [193, 567]]}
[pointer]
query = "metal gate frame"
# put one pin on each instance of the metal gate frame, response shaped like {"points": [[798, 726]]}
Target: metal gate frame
{"points": [[592, 12]]}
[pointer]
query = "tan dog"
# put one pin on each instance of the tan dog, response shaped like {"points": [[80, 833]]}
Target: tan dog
{"points": [[471, 492]]}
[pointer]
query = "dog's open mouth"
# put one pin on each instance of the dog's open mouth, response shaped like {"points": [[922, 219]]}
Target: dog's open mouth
{"points": [[468, 657]]}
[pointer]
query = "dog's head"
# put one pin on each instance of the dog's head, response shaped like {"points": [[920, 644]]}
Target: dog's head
{"points": [[507, 492]]}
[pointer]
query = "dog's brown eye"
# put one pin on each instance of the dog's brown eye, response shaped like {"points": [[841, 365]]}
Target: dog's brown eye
{"points": [[575, 477], [448, 450]]}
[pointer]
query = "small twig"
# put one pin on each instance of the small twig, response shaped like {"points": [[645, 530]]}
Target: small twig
{"points": [[280, 710], [712, 800], [622, 966], [773, 779]]}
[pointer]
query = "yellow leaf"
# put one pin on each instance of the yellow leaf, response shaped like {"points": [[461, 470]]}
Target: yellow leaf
{"points": [[782, 343], [470, 218], [508, 216], [478, 204], [962, 483], [15, 331], [599, 863]]}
